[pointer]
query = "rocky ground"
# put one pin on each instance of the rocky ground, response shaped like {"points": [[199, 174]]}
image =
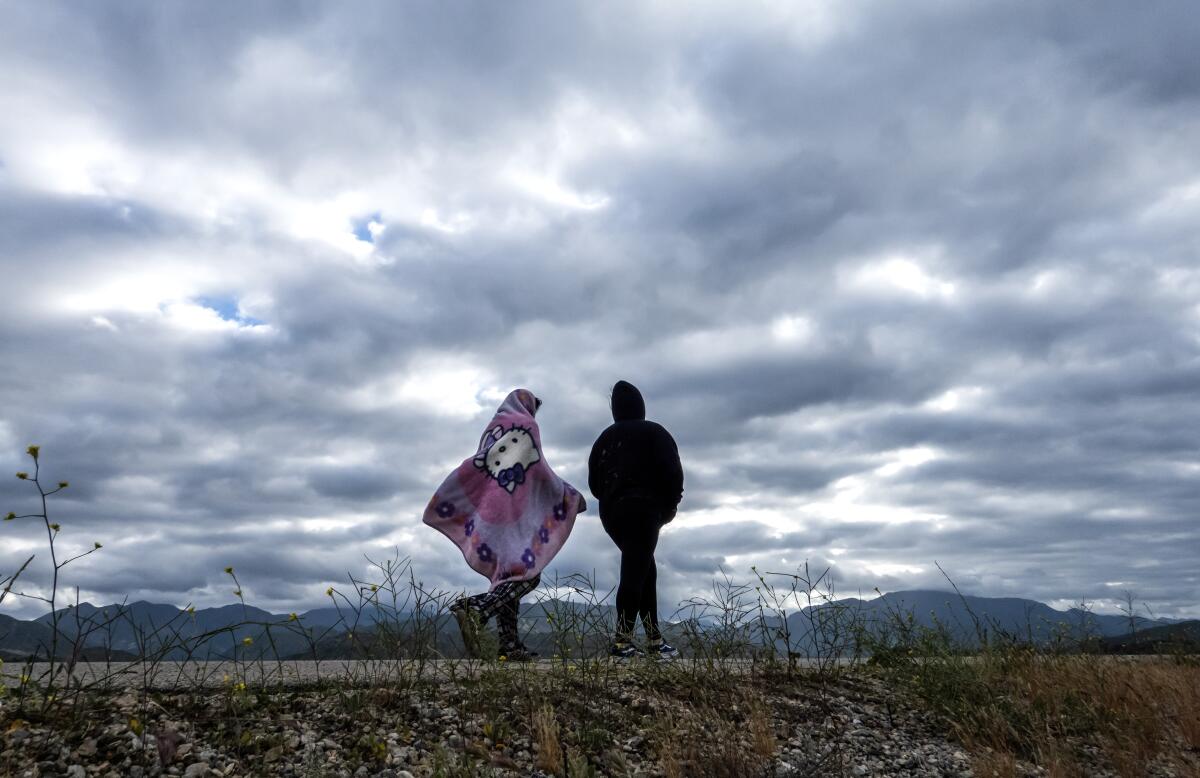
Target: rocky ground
{"points": [[501, 722]]}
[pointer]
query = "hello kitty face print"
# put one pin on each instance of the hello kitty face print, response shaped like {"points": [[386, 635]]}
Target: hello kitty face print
{"points": [[506, 455]]}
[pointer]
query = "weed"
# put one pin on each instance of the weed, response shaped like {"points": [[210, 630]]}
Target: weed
{"points": [[545, 729], [762, 734]]}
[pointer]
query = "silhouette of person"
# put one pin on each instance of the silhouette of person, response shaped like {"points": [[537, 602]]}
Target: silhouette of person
{"points": [[635, 473]]}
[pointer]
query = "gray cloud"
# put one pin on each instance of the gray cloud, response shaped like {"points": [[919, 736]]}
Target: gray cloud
{"points": [[907, 284]]}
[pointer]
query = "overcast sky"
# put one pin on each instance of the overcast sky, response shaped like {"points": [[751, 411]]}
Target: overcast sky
{"points": [[909, 283]]}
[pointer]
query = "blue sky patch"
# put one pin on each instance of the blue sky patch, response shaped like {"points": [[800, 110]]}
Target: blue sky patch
{"points": [[362, 227], [227, 309]]}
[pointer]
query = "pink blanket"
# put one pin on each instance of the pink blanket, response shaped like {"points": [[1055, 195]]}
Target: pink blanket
{"points": [[504, 507]]}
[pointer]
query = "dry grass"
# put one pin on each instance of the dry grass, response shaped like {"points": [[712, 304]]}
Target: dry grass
{"points": [[1070, 714], [762, 733], [545, 731]]}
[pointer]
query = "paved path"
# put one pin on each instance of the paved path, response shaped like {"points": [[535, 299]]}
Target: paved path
{"points": [[190, 675]]}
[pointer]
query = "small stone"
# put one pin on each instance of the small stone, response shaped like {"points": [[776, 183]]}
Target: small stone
{"points": [[404, 774], [196, 770], [76, 771], [860, 770], [127, 701]]}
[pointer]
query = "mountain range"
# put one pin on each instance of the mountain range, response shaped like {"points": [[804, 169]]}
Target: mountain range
{"points": [[126, 631]]}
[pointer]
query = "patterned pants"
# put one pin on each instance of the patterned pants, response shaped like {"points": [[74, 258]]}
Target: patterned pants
{"points": [[503, 602]]}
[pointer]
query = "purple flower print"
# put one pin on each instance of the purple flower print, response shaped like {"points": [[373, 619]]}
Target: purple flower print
{"points": [[544, 535], [560, 512], [469, 527], [445, 509], [485, 552], [528, 558]]}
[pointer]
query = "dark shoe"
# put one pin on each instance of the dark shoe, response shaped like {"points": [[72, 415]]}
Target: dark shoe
{"points": [[662, 650], [469, 624], [625, 651], [518, 654]]}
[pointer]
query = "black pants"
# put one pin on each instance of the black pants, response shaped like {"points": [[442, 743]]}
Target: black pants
{"points": [[633, 525], [503, 602]]}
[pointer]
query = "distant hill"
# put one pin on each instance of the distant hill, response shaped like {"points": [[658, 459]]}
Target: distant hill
{"points": [[148, 629], [22, 639], [969, 618], [19, 639], [1178, 638], [145, 628]]}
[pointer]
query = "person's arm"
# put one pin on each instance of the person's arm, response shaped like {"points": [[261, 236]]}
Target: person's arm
{"points": [[670, 469], [595, 476]]}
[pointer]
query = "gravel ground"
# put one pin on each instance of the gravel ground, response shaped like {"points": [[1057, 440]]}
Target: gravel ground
{"points": [[635, 725], [498, 720]]}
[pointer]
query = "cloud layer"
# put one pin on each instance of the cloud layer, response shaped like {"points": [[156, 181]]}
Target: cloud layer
{"points": [[908, 283]]}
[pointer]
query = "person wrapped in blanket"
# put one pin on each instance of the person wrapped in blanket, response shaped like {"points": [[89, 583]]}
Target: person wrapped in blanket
{"points": [[509, 514]]}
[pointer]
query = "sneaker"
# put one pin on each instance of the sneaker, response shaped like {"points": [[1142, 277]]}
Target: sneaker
{"points": [[518, 654], [625, 651], [662, 650], [469, 624]]}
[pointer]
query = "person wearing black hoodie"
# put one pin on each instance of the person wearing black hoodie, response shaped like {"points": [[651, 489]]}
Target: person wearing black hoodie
{"points": [[635, 474]]}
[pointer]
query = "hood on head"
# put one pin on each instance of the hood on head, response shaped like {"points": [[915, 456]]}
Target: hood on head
{"points": [[520, 401], [627, 402]]}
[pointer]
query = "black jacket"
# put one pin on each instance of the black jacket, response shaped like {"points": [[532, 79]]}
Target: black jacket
{"points": [[635, 457]]}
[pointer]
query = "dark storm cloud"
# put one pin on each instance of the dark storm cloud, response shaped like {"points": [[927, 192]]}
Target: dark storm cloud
{"points": [[907, 284]]}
